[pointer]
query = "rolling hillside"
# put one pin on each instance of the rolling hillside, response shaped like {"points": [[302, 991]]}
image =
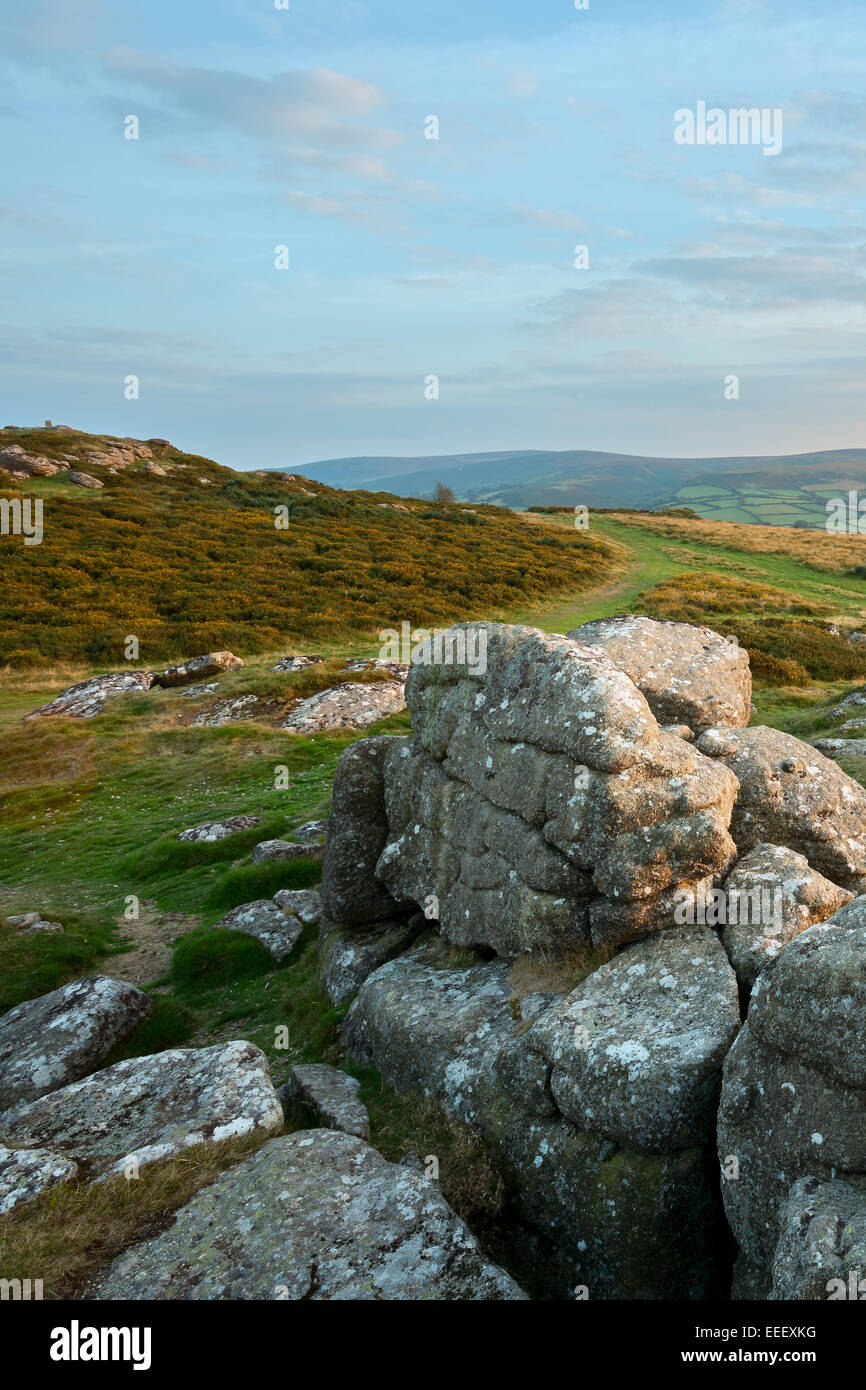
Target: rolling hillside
{"points": [[188, 556], [779, 490]]}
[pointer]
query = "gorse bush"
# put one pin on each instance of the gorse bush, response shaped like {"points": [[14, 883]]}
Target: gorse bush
{"points": [[189, 567]]}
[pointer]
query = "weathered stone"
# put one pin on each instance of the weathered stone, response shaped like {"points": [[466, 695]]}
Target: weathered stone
{"points": [[314, 830], [792, 795], [218, 829], [240, 709], [313, 1215], [821, 1252], [637, 1050], [31, 923], [771, 896], [380, 663], [357, 831], [690, 675], [276, 930], [148, 1109], [793, 1098], [625, 1222], [59, 1037], [303, 903], [297, 663], [198, 668], [333, 1095], [26, 1173], [83, 479], [349, 706], [347, 955], [87, 698], [271, 851], [536, 850]]}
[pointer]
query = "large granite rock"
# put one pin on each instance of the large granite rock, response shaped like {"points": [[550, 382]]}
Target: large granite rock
{"points": [[314, 1215], [539, 802], [87, 699], [148, 1109], [357, 831], [690, 675], [821, 1252], [597, 1103], [791, 795], [59, 1037], [26, 1173], [771, 895], [793, 1098]]}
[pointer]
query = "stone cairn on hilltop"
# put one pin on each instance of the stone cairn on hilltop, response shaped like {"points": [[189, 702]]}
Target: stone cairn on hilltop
{"points": [[598, 798]]}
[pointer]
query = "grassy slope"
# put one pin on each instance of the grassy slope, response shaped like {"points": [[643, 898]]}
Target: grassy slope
{"points": [[87, 817]]}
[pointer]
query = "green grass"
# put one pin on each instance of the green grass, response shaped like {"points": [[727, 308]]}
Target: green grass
{"points": [[33, 965]]}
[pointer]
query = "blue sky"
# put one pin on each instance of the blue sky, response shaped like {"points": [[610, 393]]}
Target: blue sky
{"points": [[305, 128]]}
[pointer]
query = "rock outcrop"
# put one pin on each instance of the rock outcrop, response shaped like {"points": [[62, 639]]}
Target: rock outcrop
{"points": [[48, 1042], [539, 803], [690, 675], [624, 1194], [314, 1215]]}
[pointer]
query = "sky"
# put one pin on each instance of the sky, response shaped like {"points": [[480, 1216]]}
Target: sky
{"points": [[408, 257]]}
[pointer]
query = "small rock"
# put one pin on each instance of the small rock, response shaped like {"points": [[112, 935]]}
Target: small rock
{"points": [[333, 1094], [311, 830], [219, 829], [276, 930], [83, 479], [303, 903], [296, 663]]}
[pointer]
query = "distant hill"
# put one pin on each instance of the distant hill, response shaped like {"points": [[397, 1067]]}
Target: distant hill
{"points": [[782, 490]]}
